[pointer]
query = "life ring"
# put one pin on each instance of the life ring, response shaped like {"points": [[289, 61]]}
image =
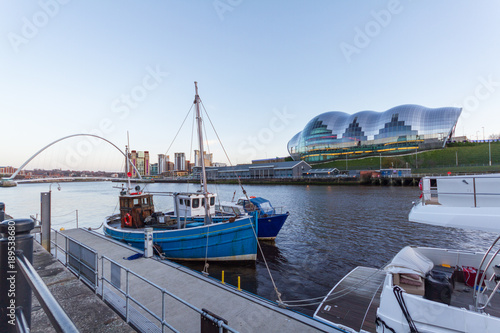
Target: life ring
{"points": [[127, 220]]}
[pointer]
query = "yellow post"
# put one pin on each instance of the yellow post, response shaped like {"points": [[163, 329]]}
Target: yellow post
{"points": [[239, 285], [223, 278]]}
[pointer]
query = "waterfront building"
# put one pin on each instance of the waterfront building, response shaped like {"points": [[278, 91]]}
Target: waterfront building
{"points": [[291, 169], [207, 157], [180, 162], [406, 128], [140, 159], [9, 171], [162, 163], [154, 169]]}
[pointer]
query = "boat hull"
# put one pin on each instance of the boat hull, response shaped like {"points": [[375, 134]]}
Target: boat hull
{"points": [[270, 226], [227, 241]]}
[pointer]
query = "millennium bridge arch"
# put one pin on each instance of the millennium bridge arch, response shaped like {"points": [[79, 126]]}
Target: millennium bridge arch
{"points": [[5, 181]]}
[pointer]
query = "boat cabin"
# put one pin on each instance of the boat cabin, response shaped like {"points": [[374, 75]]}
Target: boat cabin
{"points": [[135, 208], [232, 208], [191, 205]]}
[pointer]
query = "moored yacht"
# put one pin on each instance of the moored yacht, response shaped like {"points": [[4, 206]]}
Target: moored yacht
{"points": [[427, 289], [469, 201]]}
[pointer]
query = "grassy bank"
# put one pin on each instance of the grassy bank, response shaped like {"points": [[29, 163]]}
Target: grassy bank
{"points": [[471, 157]]}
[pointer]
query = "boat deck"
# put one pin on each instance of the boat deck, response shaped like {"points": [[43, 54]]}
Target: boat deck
{"points": [[462, 298], [353, 302], [244, 312]]}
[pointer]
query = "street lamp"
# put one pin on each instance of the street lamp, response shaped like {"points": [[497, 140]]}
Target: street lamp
{"points": [[489, 149], [483, 133]]}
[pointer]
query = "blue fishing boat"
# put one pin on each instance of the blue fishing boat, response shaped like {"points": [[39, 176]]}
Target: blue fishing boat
{"points": [[269, 222], [224, 239], [194, 233]]}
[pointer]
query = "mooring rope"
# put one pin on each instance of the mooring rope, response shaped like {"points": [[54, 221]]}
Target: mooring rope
{"points": [[278, 294]]}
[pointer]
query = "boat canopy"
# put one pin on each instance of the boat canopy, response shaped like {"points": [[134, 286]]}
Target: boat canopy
{"points": [[264, 205], [410, 261]]}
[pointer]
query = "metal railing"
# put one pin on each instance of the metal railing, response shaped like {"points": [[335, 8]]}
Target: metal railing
{"points": [[20, 278], [114, 282], [78, 258], [57, 316]]}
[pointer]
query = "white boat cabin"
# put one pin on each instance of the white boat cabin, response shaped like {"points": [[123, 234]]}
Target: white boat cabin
{"points": [[231, 207], [192, 205], [462, 191]]}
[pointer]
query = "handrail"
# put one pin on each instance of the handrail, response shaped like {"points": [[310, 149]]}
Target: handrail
{"points": [[92, 284], [220, 323], [54, 311], [475, 297], [21, 322]]}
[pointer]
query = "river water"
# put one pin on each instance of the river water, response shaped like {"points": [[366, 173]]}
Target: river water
{"points": [[330, 230]]}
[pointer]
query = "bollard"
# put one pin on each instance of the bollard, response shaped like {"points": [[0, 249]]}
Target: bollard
{"points": [[14, 289], [222, 279], [239, 284], [148, 242], [2, 211], [45, 218]]}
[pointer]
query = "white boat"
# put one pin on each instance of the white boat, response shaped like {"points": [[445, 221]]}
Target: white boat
{"points": [[430, 289], [471, 202]]}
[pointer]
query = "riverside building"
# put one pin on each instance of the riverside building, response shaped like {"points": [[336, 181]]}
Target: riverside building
{"points": [[402, 129]]}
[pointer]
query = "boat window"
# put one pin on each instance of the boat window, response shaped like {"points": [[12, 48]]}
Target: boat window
{"points": [[136, 201], [433, 182], [145, 201], [196, 203], [181, 201], [203, 202], [186, 201], [212, 201]]}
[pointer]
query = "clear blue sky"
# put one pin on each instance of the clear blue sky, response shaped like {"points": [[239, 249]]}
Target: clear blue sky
{"points": [[264, 69]]}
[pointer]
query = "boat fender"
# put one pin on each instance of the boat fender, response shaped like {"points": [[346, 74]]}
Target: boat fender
{"points": [[252, 197], [420, 184], [127, 220]]}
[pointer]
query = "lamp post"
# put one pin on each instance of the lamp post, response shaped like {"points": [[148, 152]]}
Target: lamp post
{"points": [[489, 149], [483, 133]]}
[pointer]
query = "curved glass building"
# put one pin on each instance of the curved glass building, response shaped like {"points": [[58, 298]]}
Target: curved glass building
{"points": [[404, 128]]}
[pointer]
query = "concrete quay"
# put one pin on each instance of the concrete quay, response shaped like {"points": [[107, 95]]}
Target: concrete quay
{"points": [[82, 305]]}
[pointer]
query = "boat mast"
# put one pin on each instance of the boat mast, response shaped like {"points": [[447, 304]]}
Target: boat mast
{"points": [[203, 176], [128, 169]]}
